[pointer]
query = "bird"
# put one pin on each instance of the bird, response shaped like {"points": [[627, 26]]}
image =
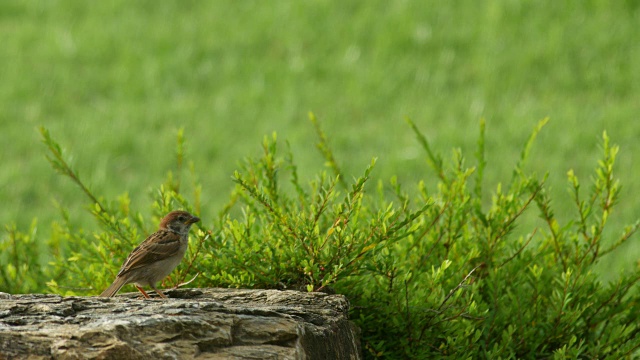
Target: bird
{"points": [[157, 256]]}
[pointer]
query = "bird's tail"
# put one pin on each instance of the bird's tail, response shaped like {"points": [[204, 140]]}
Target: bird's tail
{"points": [[114, 288]]}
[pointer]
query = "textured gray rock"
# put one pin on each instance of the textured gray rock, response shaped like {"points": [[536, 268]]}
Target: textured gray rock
{"points": [[202, 323]]}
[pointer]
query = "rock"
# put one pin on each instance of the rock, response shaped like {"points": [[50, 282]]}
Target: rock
{"points": [[202, 323]]}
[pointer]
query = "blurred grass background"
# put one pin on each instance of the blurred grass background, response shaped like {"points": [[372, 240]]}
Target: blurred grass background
{"points": [[114, 80]]}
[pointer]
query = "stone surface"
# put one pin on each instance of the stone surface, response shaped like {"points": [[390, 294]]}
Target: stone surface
{"points": [[192, 323]]}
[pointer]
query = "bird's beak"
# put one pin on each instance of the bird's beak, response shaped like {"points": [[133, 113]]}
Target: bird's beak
{"points": [[194, 219]]}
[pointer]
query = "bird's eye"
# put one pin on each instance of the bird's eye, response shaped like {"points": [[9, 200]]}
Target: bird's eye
{"points": [[181, 218]]}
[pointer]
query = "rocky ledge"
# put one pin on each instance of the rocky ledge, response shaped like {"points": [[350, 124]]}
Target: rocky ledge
{"points": [[202, 323]]}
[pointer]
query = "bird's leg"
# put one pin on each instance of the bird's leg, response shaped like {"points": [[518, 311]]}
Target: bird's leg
{"points": [[159, 292], [143, 292]]}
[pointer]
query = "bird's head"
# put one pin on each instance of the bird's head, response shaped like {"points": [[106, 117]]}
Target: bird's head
{"points": [[178, 221]]}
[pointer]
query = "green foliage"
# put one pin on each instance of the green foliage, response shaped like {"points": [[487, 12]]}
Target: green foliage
{"points": [[310, 239], [530, 299], [21, 268], [448, 271], [134, 71], [465, 287], [88, 262]]}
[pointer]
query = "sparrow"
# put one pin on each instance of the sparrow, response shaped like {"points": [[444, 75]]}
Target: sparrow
{"points": [[157, 256]]}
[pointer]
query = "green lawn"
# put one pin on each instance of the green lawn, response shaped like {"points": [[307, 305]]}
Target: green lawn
{"points": [[114, 80]]}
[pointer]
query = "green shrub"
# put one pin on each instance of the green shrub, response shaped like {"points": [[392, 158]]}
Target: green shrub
{"points": [[430, 272], [21, 268]]}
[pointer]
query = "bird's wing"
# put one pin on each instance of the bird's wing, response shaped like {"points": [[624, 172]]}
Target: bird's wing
{"points": [[158, 246]]}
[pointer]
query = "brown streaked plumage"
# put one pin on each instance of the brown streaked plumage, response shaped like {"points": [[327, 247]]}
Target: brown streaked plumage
{"points": [[157, 256]]}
